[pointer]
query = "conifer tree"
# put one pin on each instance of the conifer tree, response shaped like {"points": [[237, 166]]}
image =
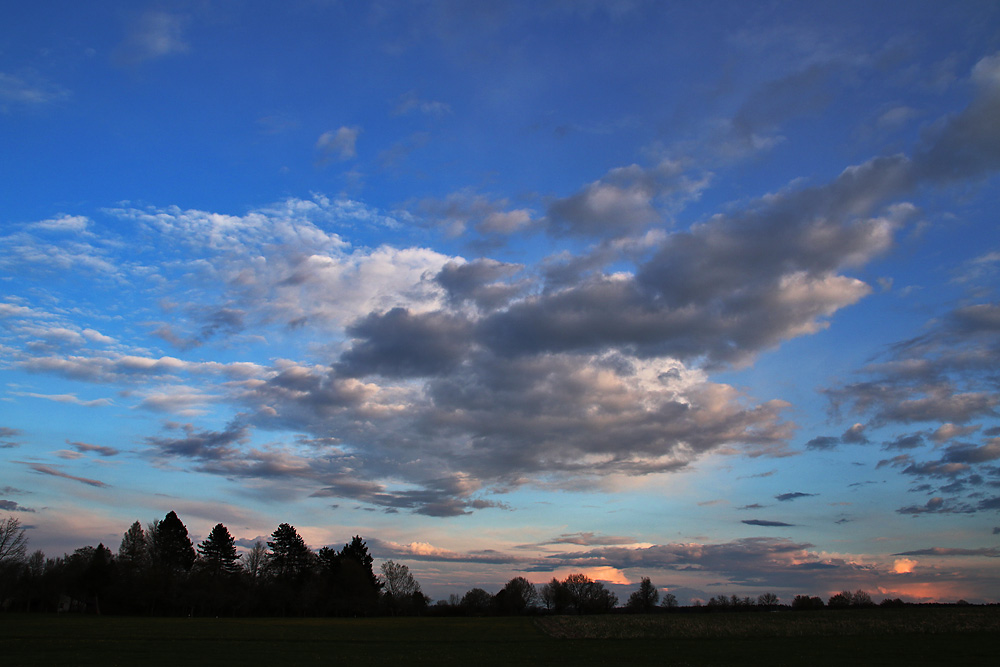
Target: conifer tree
{"points": [[289, 557], [171, 547], [218, 551]]}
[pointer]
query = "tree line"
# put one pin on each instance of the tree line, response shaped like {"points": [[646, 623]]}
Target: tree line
{"points": [[158, 570]]}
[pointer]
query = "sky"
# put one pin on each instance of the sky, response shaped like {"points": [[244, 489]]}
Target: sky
{"points": [[701, 292]]}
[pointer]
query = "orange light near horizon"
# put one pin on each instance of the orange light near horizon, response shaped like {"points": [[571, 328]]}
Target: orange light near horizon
{"points": [[926, 592]]}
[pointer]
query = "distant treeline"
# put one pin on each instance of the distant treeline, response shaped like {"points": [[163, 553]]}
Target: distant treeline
{"points": [[159, 571]]}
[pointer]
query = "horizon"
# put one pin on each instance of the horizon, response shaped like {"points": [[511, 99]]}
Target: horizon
{"points": [[700, 293]]}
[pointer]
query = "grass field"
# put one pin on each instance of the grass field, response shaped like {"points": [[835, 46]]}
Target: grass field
{"points": [[910, 636]]}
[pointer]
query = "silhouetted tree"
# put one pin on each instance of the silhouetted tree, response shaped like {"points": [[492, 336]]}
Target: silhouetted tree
{"points": [[13, 541], [218, 551], [254, 559], [400, 588], [132, 550], [645, 598], [171, 548], [860, 598], [805, 603], [516, 596], [289, 558], [476, 602], [669, 600], [588, 596], [841, 600], [349, 585], [768, 600], [556, 596]]}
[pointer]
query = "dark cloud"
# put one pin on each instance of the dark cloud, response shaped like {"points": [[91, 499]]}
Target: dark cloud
{"points": [[400, 344], [766, 523], [442, 497], [55, 472], [823, 442], [783, 497], [102, 450], [905, 442], [967, 144], [623, 202], [590, 539], [936, 505], [992, 552], [11, 506], [964, 453], [481, 282], [461, 210], [6, 437], [507, 422], [756, 561], [802, 92], [855, 435], [200, 445], [753, 506]]}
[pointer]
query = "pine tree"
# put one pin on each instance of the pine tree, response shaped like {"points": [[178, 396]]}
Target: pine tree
{"points": [[289, 557], [357, 551], [218, 551], [171, 546], [132, 550]]}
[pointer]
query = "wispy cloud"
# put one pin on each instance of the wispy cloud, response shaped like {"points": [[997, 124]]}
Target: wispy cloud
{"points": [[55, 472]]}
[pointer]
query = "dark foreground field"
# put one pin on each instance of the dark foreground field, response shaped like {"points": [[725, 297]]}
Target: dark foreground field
{"points": [[906, 636]]}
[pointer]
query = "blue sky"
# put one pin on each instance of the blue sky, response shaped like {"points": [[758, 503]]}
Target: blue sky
{"points": [[705, 292]]}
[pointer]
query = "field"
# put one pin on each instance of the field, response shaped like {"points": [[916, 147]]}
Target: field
{"points": [[965, 636]]}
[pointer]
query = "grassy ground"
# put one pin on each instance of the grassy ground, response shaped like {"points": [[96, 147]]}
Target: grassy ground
{"points": [[716, 639]]}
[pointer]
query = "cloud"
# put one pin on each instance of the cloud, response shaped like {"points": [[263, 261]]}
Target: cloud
{"points": [[7, 436], [153, 35], [589, 539], [933, 506], [481, 282], [905, 442], [855, 435], [466, 209], [795, 495], [624, 201], [73, 224], [340, 144], [67, 398], [762, 522], [756, 562], [28, 89], [410, 102], [200, 445], [799, 93], [992, 552], [399, 344], [823, 442], [55, 472], [102, 450], [11, 506]]}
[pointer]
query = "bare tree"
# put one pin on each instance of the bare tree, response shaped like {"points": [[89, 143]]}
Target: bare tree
{"points": [[253, 560], [13, 541]]}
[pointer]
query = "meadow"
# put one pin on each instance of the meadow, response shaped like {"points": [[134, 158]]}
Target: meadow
{"points": [[966, 636]]}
